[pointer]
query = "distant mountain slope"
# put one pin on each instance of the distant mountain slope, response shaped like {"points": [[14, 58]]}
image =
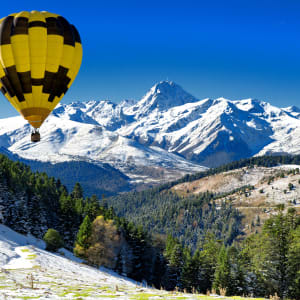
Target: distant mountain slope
{"points": [[99, 179], [230, 200], [254, 191], [212, 132], [167, 134]]}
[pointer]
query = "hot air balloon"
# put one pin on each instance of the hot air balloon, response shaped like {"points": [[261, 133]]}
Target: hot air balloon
{"points": [[40, 56]]}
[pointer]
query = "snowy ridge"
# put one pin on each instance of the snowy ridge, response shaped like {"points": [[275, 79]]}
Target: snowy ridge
{"points": [[161, 137]]}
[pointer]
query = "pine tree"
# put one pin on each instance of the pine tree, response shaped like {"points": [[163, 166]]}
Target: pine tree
{"points": [[77, 192], [92, 207], [69, 218], [191, 277], [208, 257], [294, 264], [276, 236], [84, 233], [222, 277], [237, 274], [175, 258], [176, 263]]}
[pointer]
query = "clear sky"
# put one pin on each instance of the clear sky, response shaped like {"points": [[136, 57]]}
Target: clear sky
{"points": [[234, 49]]}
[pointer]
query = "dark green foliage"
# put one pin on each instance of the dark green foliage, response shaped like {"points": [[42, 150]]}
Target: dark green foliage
{"points": [[77, 192], [222, 274], [53, 240], [293, 271], [34, 202], [192, 275], [188, 218], [84, 233], [143, 255], [176, 260], [270, 257], [263, 264]]}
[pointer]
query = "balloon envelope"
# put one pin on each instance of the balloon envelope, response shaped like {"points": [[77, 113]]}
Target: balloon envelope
{"points": [[40, 56]]}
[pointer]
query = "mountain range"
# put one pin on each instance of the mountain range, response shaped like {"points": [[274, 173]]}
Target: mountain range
{"points": [[165, 135]]}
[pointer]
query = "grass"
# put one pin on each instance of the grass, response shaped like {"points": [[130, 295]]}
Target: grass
{"points": [[107, 296], [25, 250], [85, 294], [145, 296]]}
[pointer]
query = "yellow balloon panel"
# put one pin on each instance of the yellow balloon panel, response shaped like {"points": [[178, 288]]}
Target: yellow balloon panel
{"points": [[40, 56]]}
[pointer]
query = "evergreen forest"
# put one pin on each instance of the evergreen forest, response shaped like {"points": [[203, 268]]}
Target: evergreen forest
{"points": [[156, 236]]}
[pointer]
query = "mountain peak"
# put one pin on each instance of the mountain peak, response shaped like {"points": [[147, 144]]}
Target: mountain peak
{"points": [[162, 96], [164, 86]]}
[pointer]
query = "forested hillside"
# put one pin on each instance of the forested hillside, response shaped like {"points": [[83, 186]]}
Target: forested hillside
{"points": [[190, 244], [33, 203], [101, 179], [188, 216], [263, 264]]}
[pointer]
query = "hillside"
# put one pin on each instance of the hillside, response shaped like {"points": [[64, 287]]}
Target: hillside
{"points": [[27, 271], [191, 244], [254, 191], [231, 201], [33, 203], [96, 178]]}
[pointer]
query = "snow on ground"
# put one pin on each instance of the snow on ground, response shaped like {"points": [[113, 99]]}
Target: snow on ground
{"points": [[27, 271], [224, 182]]}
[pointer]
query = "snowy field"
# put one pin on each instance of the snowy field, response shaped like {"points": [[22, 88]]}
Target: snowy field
{"points": [[27, 271]]}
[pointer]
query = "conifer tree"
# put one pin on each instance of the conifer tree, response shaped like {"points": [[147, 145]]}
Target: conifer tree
{"points": [[294, 264], [191, 275], [276, 237], [210, 248], [77, 192], [222, 276], [176, 263], [92, 207], [84, 233]]}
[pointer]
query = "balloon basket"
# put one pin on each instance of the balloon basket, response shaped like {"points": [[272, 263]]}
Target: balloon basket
{"points": [[35, 137]]}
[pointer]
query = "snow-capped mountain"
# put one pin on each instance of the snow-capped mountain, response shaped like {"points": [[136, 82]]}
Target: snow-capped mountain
{"points": [[164, 135], [160, 97]]}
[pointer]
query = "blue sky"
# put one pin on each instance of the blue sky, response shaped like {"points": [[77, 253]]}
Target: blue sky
{"points": [[235, 49]]}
